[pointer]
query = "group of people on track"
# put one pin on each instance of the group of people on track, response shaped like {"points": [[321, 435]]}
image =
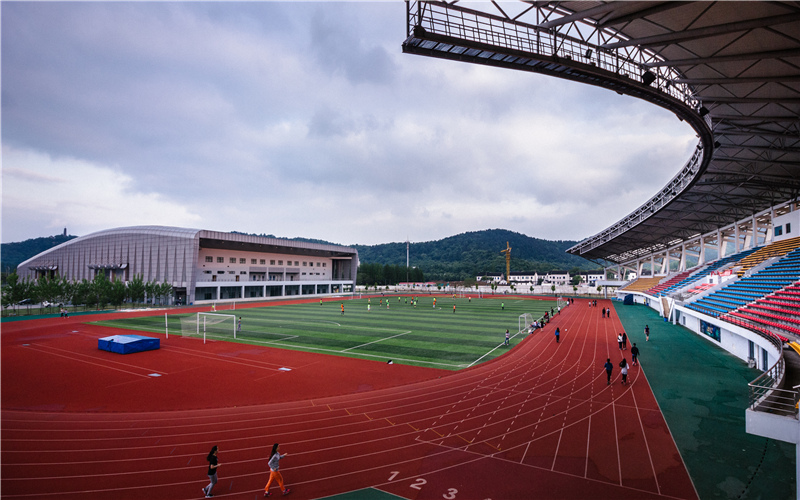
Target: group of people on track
{"points": [[274, 471]]}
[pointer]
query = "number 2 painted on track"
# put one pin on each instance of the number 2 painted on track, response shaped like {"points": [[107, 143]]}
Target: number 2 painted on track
{"points": [[419, 483]]}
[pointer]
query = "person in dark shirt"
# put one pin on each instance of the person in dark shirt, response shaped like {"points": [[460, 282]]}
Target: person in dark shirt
{"points": [[634, 354], [213, 463], [609, 368]]}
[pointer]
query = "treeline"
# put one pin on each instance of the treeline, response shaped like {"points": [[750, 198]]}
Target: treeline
{"points": [[13, 254], [468, 255], [99, 292], [385, 274]]}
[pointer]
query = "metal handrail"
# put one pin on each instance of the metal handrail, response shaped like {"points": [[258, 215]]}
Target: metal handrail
{"points": [[481, 27]]}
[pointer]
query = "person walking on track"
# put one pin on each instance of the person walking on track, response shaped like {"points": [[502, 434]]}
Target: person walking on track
{"points": [[624, 367], [558, 334], [274, 472], [609, 368], [213, 463], [634, 354], [646, 333]]}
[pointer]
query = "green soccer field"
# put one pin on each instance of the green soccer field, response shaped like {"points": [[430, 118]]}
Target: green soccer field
{"points": [[422, 335]]}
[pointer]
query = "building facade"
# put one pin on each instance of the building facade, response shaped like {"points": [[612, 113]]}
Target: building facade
{"points": [[202, 265]]}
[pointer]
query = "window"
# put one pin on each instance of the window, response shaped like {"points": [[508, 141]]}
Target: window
{"points": [[206, 272], [296, 263], [305, 264], [263, 261], [209, 258], [220, 272], [242, 272], [271, 262], [778, 230], [280, 262], [253, 261], [788, 228], [304, 274], [231, 272], [220, 260], [318, 264], [232, 260], [323, 264], [242, 261]]}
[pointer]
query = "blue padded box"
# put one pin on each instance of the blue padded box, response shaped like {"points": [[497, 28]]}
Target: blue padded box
{"points": [[127, 344]]}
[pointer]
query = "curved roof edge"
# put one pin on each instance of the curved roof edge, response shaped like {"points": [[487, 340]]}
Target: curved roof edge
{"points": [[191, 234]]}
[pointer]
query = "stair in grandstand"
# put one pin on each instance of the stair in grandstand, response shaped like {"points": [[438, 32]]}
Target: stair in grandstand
{"points": [[777, 249], [782, 273], [656, 290], [710, 268]]}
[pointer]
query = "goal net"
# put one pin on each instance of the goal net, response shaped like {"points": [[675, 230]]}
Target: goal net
{"points": [[213, 325], [525, 321]]}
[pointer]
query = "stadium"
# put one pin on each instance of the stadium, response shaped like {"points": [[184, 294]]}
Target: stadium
{"points": [[716, 262], [202, 266]]}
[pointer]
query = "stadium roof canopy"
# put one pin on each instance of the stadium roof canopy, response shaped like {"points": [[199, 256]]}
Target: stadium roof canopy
{"points": [[731, 70]]}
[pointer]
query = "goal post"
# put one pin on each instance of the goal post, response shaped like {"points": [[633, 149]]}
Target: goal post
{"points": [[525, 321], [209, 325]]}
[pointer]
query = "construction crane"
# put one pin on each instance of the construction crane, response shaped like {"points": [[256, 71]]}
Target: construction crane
{"points": [[507, 251]]}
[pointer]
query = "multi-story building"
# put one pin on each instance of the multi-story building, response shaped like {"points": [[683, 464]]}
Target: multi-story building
{"points": [[202, 265]]}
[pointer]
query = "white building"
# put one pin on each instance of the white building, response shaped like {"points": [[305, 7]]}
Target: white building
{"points": [[202, 265]]}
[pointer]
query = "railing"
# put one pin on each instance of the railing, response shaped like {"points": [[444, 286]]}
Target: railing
{"points": [[765, 392], [480, 27]]}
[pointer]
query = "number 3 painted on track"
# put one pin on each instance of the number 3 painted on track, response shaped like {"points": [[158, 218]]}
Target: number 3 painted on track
{"points": [[451, 494]]}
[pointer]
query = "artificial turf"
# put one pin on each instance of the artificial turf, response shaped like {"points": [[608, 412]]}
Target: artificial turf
{"points": [[418, 335]]}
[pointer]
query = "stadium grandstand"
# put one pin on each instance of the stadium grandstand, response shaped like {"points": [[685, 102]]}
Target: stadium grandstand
{"points": [[202, 266], [715, 250]]}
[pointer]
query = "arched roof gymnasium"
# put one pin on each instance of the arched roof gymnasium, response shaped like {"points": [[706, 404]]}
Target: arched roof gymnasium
{"points": [[731, 70]]}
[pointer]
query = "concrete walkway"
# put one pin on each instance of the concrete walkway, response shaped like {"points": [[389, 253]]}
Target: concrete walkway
{"points": [[702, 391]]}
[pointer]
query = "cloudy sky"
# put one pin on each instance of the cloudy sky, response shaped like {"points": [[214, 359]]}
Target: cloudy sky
{"points": [[303, 119]]}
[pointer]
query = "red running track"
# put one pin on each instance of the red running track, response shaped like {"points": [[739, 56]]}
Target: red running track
{"points": [[538, 422]]}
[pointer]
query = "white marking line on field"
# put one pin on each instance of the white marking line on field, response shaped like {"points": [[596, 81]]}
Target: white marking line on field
{"points": [[375, 341], [496, 348]]}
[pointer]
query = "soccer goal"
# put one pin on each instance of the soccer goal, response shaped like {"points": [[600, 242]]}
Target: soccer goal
{"points": [[209, 325], [525, 321], [562, 302]]}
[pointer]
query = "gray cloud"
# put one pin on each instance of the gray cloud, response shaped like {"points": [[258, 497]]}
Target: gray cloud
{"points": [[305, 119]]}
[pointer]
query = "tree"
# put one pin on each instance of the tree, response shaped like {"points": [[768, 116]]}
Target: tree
{"points": [[49, 289], [101, 289], [165, 292], [553, 289], [150, 289], [15, 290], [82, 293], [117, 292], [136, 289]]}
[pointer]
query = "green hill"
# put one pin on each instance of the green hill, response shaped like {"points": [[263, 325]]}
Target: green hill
{"points": [[13, 254], [469, 254]]}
